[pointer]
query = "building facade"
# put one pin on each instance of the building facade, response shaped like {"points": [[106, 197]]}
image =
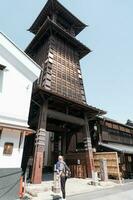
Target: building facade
{"points": [[56, 49], [111, 136], [17, 74], [58, 98]]}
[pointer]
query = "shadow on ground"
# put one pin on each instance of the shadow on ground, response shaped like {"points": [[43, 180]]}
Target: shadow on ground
{"points": [[48, 177], [56, 197]]}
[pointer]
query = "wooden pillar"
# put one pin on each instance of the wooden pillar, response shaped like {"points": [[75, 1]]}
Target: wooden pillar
{"points": [[88, 149], [39, 145], [64, 143]]}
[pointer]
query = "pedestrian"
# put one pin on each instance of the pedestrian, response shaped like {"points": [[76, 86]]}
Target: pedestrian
{"points": [[63, 172]]}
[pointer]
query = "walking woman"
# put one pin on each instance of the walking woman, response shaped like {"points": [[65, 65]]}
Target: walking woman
{"points": [[62, 170]]}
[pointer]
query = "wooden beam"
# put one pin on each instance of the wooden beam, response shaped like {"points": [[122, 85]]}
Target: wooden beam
{"points": [[88, 149], [43, 115], [65, 117], [55, 128]]}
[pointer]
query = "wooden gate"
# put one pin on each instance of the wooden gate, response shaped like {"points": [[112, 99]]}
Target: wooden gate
{"points": [[77, 170], [112, 163]]}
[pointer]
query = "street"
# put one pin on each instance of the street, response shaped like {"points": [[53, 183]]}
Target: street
{"points": [[124, 192]]}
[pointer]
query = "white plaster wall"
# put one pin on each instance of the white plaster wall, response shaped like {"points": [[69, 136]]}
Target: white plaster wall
{"points": [[15, 96], [18, 58], [14, 160]]}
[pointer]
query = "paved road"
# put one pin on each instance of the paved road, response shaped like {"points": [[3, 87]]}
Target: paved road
{"points": [[124, 192]]}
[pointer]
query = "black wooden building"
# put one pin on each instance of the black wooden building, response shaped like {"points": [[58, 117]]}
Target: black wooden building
{"points": [[108, 135], [59, 112]]}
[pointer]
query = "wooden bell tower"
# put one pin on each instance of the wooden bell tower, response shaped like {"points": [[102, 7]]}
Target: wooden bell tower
{"points": [[56, 49], [59, 92]]}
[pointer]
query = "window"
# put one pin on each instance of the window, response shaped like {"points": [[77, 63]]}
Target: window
{"points": [[80, 146], [2, 67], [20, 140], [8, 148]]}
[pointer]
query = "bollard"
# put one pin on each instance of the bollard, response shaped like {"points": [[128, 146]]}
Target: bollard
{"points": [[56, 183], [21, 188], [95, 180], [103, 170]]}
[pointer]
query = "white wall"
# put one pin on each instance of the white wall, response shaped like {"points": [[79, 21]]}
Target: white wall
{"points": [[15, 96], [14, 160], [15, 91]]}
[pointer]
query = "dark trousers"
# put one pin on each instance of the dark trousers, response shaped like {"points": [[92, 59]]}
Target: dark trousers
{"points": [[63, 183]]}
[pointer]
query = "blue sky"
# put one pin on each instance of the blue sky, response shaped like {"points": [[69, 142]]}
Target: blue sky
{"points": [[108, 70]]}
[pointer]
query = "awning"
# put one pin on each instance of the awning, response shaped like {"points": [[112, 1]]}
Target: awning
{"points": [[27, 131], [118, 147]]}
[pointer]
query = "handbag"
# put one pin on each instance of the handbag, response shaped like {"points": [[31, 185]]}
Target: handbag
{"points": [[67, 171]]}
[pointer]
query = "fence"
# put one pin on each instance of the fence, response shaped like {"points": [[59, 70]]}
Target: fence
{"points": [[112, 163]]}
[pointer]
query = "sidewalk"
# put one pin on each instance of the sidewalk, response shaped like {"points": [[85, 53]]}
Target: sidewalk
{"points": [[73, 186]]}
